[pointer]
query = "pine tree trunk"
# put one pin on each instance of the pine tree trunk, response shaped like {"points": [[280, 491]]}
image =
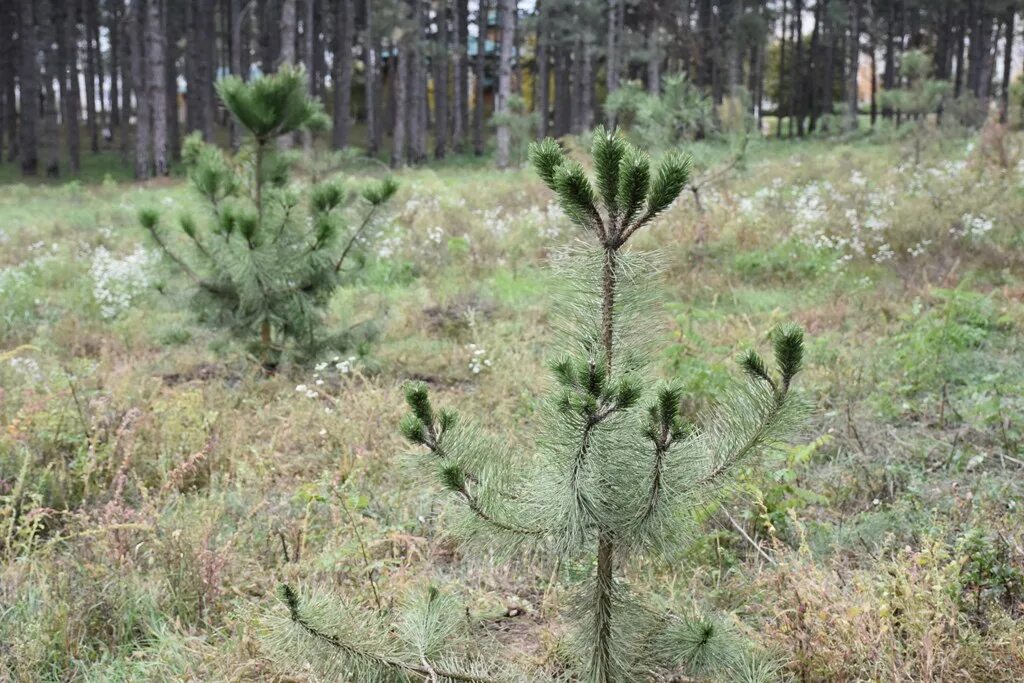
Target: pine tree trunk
{"points": [[563, 92], [1004, 94], [89, 11], [156, 87], [797, 90], [616, 14], [114, 33], [287, 29], [417, 89], [854, 60], [344, 23], [372, 84], [9, 65], [309, 60], [171, 32], [782, 70], [205, 106], [235, 20], [586, 106], [441, 66], [506, 11], [67, 56], [28, 86], [541, 85], [459, 72], [478, 104], [51, 128], [401, 98]]}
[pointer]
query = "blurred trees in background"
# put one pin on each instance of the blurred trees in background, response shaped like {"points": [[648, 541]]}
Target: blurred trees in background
{"points": [[414, 79]]}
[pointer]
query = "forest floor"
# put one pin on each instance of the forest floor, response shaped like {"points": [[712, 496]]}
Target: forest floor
{"points": [[155, 486]]}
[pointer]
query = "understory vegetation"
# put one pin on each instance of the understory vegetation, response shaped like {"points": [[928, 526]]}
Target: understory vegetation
{"points": [[156, 485]]}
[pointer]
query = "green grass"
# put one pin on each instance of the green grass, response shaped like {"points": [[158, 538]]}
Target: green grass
{"points": [[155, 484]]}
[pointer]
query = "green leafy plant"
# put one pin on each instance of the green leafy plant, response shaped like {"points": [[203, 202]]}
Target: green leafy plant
{"points": [[266, 263], [620, 474]]}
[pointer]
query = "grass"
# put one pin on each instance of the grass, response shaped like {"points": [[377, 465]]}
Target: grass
{"points": [[155, 486]]}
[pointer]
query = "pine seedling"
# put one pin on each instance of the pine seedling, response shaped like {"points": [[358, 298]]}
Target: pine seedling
{"points": [[267, 261], [617, 473]]}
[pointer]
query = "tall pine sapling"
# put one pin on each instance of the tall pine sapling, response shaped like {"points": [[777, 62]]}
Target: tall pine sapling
{"points": [[619, 472], [266, 263]]}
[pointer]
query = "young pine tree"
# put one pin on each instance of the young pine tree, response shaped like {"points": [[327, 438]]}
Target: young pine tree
{"points": [[619, 473], [267, 262]]}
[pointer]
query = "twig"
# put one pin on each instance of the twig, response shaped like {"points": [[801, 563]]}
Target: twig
{"points": [[751, 541], [362, 550]]}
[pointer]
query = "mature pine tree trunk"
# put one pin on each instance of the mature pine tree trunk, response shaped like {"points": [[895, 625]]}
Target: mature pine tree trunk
{"points": [[796, 102], [114, 33], [287, 29], [653, 52], [441, 120], [344, 23], [478, 108], [171, 32], [961, 35], [782, 71], [234, 21], [9, 65], [401, 97], [541, 85], [563, 91], [309, 60], [67, 56], [51, 128], [418, 108], [372, 85], [28, 86], [206, 107], [156, 86], [854, 59], [90, 75], [143, 103], [506, 18], [459, 74], [1004, 93]]}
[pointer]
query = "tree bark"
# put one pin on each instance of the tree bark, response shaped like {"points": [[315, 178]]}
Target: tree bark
{"points": [[616, 19], [460, 91], [541, 85], [51, 127], [89, 11], [372, 75], [156, 86], [854, 60], [171, 32], [67, 56], [287, 28], [9, 65], [441, 66], [782, 72], [401, 97], [478, 108], [344, 22], [418, 109], [114, 32], [28, 85], [506, 11], [1004, 94]]}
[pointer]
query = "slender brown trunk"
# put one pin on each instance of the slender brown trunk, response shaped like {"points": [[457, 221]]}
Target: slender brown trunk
{"points": [[67, 47], [9, 62], [235, 27], [441, 66], [1004, 93], [459, 73], [28, 86], [114, 32], [478, 108], [854, 59], [171, 32], [506, 11], [401, 96], [344, 22], [89, 11], [372, 83], [417, 84], [782, 70], [51, 127], [156, 85], [542, 86]]}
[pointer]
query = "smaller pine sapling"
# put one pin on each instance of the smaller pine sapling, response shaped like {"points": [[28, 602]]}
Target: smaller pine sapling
{"points": [[619, 473], [266, 263], [919, 97]]}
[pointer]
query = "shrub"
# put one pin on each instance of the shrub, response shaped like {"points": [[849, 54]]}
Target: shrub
{"points": [[265, 266]]}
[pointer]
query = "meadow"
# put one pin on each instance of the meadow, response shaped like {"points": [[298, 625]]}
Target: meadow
{"points": [[156, 484]]}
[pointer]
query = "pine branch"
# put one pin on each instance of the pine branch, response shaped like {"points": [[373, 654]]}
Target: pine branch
{"points": [[291, 600]]}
